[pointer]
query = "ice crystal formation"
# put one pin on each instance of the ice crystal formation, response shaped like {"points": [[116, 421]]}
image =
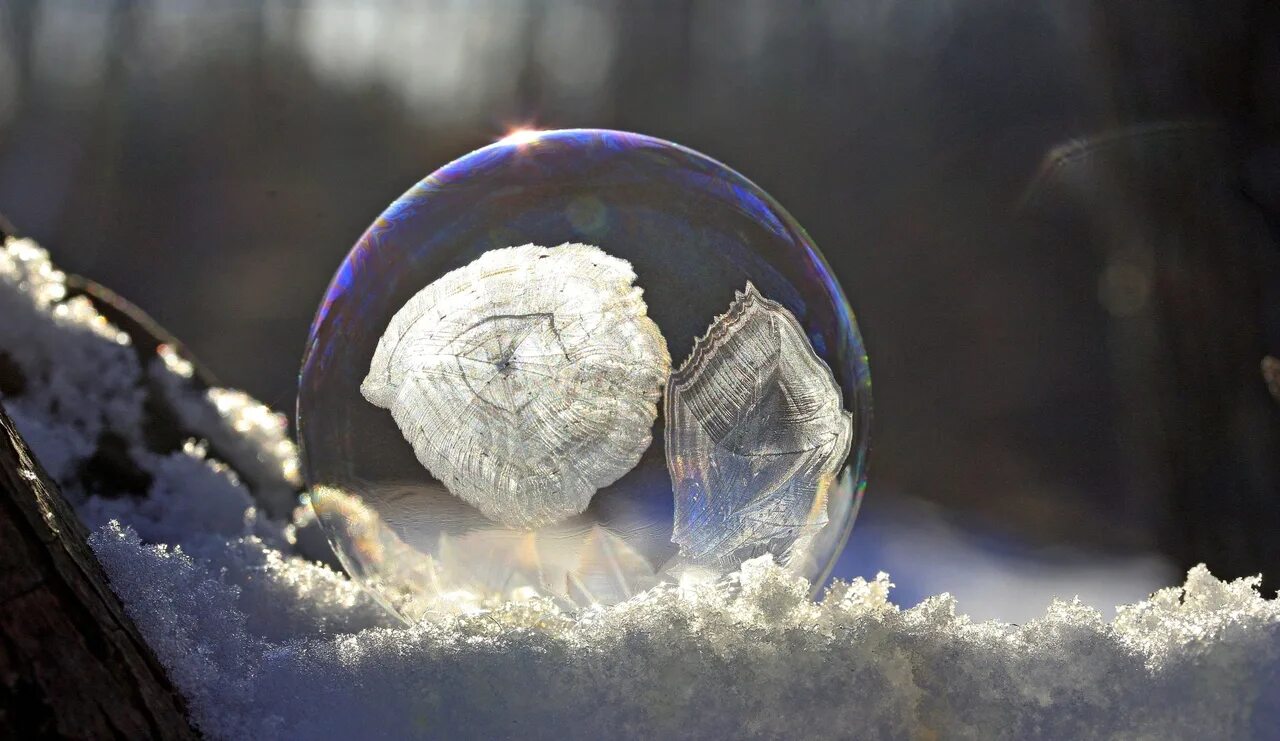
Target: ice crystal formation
{"points": [[525, 380], [264, 644], [755, 434]]}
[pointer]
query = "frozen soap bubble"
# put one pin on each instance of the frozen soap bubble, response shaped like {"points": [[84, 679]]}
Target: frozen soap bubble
{"points": [[574, 365]]}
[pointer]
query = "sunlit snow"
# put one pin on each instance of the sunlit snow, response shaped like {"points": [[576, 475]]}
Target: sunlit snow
{"points": [[265, 644]]}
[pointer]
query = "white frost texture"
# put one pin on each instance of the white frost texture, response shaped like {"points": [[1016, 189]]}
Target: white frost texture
{"points": [[266, 645], [755, 435], [525, 380]]}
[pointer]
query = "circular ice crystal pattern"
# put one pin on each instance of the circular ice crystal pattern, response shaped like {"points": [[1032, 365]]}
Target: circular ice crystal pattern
{"points": [[525, 380], [574, 365]]}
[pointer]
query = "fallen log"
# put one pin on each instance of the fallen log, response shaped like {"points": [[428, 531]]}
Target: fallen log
{"points": [[72, 664]]}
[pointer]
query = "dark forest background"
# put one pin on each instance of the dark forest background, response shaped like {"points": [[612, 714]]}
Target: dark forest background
{"points": [[1058, 222]]}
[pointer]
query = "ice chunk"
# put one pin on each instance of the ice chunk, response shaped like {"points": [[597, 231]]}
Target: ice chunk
{"points": [[755, 434], [525, 380]]}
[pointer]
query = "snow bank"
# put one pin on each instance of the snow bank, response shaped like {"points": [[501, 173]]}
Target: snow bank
{"points": [[266, 644], [747, 658]]}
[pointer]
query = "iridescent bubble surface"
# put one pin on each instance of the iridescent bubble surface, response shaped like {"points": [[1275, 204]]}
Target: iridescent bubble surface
{"points": [[695, 233]]}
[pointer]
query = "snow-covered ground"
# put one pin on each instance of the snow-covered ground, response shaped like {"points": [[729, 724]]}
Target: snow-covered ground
{"points": [[265, 643]]}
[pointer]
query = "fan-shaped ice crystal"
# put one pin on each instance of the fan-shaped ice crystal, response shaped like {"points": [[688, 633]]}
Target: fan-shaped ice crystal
{"points": [[525, 380], [755, 434]]}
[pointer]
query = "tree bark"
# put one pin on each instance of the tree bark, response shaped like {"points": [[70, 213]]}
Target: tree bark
{"points": [[72, 664], [1195, 210]]}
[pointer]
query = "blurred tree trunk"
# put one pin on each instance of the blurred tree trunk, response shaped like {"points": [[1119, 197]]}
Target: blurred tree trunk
{"points": [[72, 664], [1187, 224]]}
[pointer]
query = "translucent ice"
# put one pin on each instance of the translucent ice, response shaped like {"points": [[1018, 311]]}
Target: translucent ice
{"points": [[525, 380], [756, 434]]}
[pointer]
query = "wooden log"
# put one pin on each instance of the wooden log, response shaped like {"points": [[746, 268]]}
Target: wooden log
{"points": [[72, 664]]}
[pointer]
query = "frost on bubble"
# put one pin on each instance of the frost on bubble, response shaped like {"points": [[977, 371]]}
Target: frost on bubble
{"points": [[525, 380], [755, 434]]}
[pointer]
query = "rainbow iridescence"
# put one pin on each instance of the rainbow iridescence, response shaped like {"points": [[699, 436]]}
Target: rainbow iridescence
{"points": [[695, 232]]}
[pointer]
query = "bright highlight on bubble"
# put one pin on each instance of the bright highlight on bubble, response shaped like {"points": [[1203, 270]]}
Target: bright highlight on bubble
{"points": [[519, 136], [486, 407]]}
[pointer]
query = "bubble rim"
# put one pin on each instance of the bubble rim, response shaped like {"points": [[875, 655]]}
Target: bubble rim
{"points": [[756, 201]]}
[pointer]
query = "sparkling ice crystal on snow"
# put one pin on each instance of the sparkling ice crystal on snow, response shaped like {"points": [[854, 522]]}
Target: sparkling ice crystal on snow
{"points": [[756, 433], [526, 380]]}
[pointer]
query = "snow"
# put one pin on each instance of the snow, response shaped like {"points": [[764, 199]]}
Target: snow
{"points": [[78, 368], [264, 643], [749, 657]]}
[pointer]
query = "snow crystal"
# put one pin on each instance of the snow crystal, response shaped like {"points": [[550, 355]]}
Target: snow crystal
{"points": [[71, 374], [747, 657], [265, 644], [84, 399], [251, 436]]}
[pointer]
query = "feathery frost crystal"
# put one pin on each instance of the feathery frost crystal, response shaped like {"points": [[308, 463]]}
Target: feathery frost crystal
{"points": [[755, 434]]}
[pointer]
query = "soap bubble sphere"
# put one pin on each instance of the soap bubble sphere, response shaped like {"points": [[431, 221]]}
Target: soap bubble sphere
{"points": [[501, 398]]}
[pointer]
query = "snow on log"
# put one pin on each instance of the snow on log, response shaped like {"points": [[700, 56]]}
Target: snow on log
{"points": [[265, 644]]}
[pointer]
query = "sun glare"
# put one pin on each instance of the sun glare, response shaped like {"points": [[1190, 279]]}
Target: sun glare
{"points": [[520, 136]]}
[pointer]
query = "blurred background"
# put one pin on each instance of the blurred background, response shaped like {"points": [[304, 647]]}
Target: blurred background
{"points": [[1058, 223]]}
